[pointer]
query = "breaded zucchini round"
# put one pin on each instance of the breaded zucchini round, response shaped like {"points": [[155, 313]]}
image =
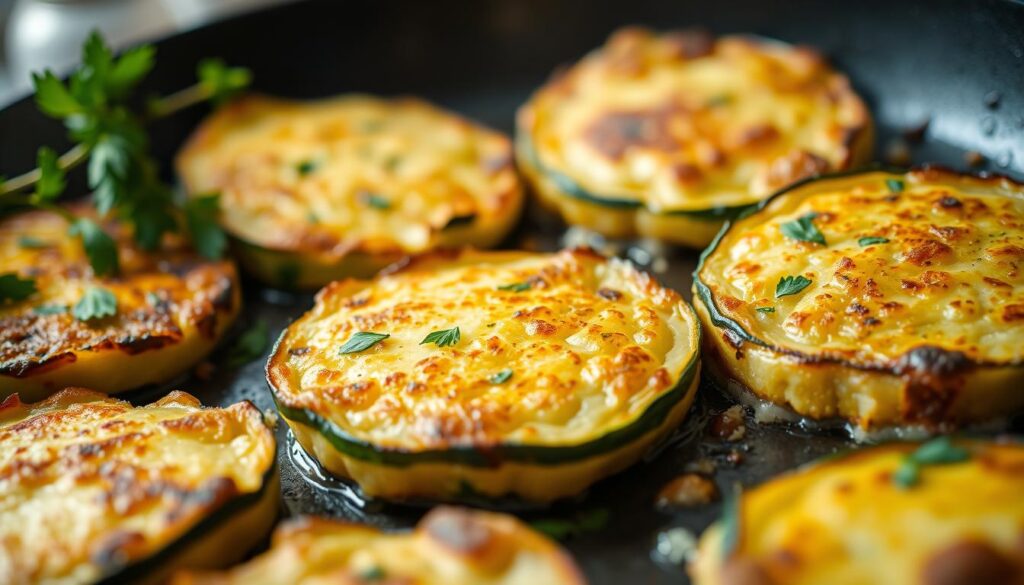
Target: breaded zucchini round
{"points": [[476, 373], [157, 318], [880, 298], [316, 191], [450, 546], [939, 514], [667, 135], [95, 489]]}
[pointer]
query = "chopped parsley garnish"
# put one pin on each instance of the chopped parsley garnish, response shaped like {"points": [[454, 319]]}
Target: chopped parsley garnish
{"points": [[96, 303], [250, 345], [515, 287], [803, 229], [373, 573], [719, 100], [312, 217], [50, 309], [765, 309], [363, 340], [31, 243], [872, 240], [306, 167], [15, 288], [99, 247], [938, 451], [443, 337], [501, 377], [375, 201], [894, 185], [790, 285]]}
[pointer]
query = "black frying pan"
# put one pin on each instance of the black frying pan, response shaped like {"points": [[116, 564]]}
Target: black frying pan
{"points": [[957, 65]]}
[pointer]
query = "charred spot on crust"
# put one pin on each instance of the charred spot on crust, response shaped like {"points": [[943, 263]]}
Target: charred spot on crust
{"points": [[934, 379], [614, 133], [970, 562], [690, 44], [25, 367], [950, 202], [609, 294]]}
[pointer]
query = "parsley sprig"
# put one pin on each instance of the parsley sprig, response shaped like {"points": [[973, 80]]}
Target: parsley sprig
{"points": [[939, 451], [95, 105]]}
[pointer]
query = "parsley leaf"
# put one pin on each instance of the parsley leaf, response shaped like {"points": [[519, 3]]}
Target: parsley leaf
{"points": [[250, 344], [790, 285], [373, 573], [52, 97], [938, 451], [96, 303], [765, 309], [501, 377], [220, 81], [872, 240], [375, 201], [207, 236], [15, 288], [515, 287], [51, 177], [305, 167], [129, 69], [99, 247], [803, 229], [582, 523], [32, 243], [363, 340], [443, 337], [894, 185], [50, 309]]}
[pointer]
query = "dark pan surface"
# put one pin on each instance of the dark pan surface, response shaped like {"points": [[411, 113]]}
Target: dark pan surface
{"points": [[958, 65]]}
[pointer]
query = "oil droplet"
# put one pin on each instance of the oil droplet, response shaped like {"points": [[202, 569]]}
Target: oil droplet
{"points": [[988, 125], [674, 547]]}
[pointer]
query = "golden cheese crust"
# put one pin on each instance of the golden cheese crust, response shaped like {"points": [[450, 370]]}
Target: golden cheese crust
{"points": [[172, 309], [846, 522], [344, 186], [589, 345], [450, 546], [91, 485], [683, 124], [554, 350], [918, 281]]}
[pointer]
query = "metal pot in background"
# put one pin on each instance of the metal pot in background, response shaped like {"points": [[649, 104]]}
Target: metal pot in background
{"points": [[44, 34]]}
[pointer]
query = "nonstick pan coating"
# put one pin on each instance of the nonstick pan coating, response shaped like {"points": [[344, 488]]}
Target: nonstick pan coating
{"points": [[957, 65]]}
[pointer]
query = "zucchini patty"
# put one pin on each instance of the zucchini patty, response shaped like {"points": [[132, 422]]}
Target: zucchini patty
{"points": [[945, 513], [880, 298], [450, 546], [156, 319], [666, 135], [488, 373], [316, 191], [94, 489]]}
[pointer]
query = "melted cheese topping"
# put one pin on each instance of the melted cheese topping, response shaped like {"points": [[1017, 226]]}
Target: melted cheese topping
{"points": [[949, 275], [682, 121], [163, 298], [349, 173], [590, 345], [89, 484], [846, 522], [450, 546]]}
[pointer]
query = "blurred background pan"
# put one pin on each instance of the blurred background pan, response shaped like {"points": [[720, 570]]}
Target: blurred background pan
{"points": [[951, 68]]}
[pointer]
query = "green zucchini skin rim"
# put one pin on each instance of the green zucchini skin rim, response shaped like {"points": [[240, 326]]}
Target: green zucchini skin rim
{"points": [[493, 456], [568, 186], [706, 297], [144, 567]]}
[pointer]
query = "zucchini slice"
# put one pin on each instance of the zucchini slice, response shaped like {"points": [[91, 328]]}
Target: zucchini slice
{"points": [[162, 314], [946, 512], [490, 373], [96, 490], [316, 191], [450, 546], [667, 135], [880, 298]]}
